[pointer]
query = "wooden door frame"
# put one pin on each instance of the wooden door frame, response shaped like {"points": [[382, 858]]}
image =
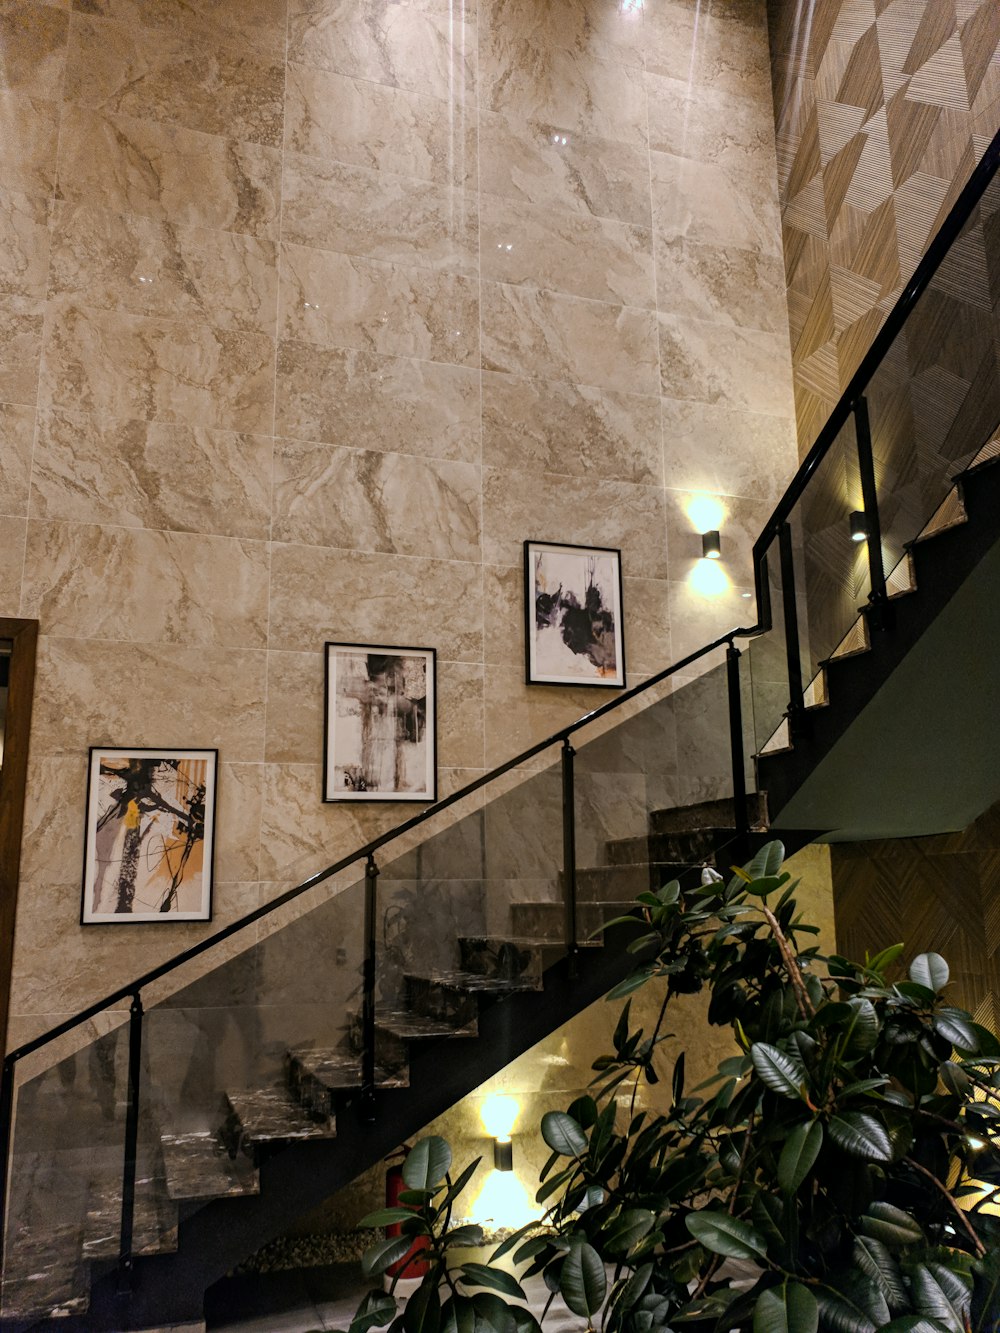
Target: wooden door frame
{"points": [[23, 635]]}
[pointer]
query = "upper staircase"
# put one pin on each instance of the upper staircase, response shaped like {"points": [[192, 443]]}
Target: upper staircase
{"points": [[169, 1130]]}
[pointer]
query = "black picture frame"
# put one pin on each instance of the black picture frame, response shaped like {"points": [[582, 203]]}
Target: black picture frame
{"points": [[149, 835], [573, 615], [379, 732]]}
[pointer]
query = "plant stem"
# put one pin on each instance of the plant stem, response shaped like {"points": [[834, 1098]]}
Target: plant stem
{"points": [[791, 965], [966, 1224]]}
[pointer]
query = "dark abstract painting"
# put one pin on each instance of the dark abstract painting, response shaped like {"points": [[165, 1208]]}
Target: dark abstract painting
{"points": [[574, 630], [149, 838], [380, 724]]}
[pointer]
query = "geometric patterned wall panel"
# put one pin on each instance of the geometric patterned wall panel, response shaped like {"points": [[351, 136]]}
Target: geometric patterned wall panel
{"points": [[940, 893], [882, 109]]}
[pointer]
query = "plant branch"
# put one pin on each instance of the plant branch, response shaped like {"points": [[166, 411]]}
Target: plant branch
{"points": [[791, 965], [966, 1224]]}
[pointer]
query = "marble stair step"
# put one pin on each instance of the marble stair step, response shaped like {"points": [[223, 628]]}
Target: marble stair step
{"points": [[197, 1166], [154, 1221], [317, 1076], [708, 814], [548, 919], [623, 883], [256, 1117], [509, 955], [452, 996], [45, 1277], [678, 852]]}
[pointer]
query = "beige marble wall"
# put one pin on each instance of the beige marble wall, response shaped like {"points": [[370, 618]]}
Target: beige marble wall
{"points": [[312, 311]]}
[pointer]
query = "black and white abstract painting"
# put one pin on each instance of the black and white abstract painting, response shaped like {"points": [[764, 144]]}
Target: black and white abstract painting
{"points": [[573, 605], [150, 835], [380, 724]]}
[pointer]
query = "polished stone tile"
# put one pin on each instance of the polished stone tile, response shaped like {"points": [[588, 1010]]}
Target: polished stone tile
{"points": [[21, 324], [187, 78], [715, 203], [33, 42], [255, 24], [553, 426], [338, 396], [716, 364], [17, 432], [344, 301], [358, 211], [605, 28], [113, 261], [578, 93], [721, 283], [168, 173], [421, 49], [648, 624], [366, 124], [29, 127], [156, 369], [719, 449], [12, 539], [740, 521], [541, 163], [519, 715], [151, 474], [24, 243], [376, 501], [704, 47], [538, 333], [503, 615], [580, 511], [89, 582], [241, 797], [423, 603], [537, 246], [709, 125]]}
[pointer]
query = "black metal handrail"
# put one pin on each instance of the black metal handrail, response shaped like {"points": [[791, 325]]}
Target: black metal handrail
{"points": [[852, 402]]}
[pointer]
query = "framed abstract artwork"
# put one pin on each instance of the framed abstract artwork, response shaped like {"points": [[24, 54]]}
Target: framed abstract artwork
{"points": [[381, 722], [573, 615], [150, 835]]}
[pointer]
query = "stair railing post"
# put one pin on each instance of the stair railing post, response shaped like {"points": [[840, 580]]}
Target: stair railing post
{"points": [[125, 1257], [790, 609], [569, 853], [741, 812], [6, 1135], [878, 596], [368, 993]]}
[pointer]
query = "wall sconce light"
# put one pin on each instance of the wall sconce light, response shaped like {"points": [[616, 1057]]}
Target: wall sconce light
{"points": [[859, 526], [711, 545], [499, 1113]]}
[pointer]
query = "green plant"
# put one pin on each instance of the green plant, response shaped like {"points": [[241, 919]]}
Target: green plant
{"points": [[815, 1183]]}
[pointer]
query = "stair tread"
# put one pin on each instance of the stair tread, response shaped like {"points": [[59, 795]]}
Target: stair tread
{"points": [[706, 814], [154, 1221], [480, 982], [197, 1166], [338, 1069], [408, 1026], [266, 1114], [43, 1278]]}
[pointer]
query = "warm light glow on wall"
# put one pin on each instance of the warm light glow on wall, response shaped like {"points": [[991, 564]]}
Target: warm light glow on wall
{"points": [[503, 1202], [706, 512], [709, 578], [498, 1114]]}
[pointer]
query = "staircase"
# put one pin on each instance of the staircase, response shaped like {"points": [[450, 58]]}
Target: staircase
{"points": [[166, 1144], [206, 1197]]}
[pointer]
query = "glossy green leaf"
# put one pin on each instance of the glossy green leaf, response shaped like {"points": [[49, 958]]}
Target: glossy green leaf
{"points": [[375, 1311], [470, 1233], [457, 1186], [482, 1275], [767, 861], [727, 1235], [777, 1070], [386, 1217], [913, 1323], [628, 1229], [886, 958], [957, 1027], [790, 1308], [931, 1299], [799, 1154], [427, 1163], [930, 970], [891, 1225], [862, 1135], [583, 1282], [384, 1253], [563, 1135], [876, 1261], [492, 1314], [631, 983], [422, 1312]]}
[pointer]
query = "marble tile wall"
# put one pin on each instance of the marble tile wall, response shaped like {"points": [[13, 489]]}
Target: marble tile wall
{"points": [[310, 313]]}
